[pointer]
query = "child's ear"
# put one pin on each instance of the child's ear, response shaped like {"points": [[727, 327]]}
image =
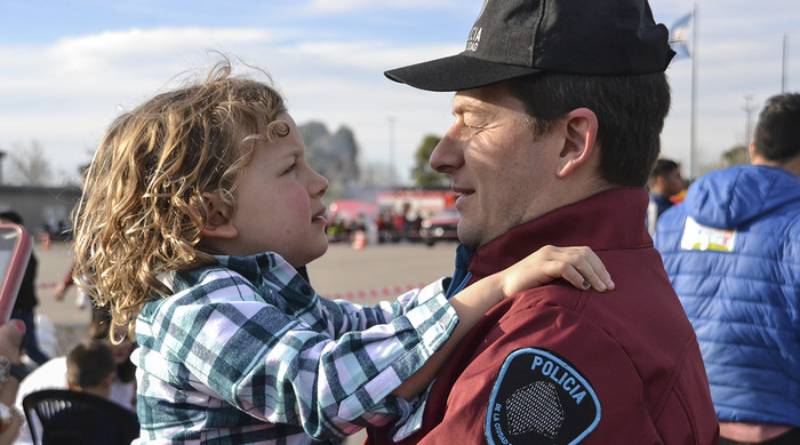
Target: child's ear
{"points": [[218, 221]]}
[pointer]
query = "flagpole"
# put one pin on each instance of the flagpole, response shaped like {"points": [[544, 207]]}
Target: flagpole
{"points": [[693, 114], [783, 64]]}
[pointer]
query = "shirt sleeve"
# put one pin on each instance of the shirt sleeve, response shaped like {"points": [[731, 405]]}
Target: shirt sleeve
{"points": [[277, 368], [343, 316]]}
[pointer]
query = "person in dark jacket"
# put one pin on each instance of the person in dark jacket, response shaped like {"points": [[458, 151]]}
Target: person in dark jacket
{"points": [[24, 308], [557, 114], [732, 251]]}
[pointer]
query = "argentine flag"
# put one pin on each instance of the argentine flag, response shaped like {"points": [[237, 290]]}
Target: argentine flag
{"points": [[679, 36]]}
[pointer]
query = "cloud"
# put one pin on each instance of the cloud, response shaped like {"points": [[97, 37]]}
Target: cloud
{"points": [[64, 94], [340, 6], [375, 56]]}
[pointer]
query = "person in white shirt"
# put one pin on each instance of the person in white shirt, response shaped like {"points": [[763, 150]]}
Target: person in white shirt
{"points": [[54, 374]]}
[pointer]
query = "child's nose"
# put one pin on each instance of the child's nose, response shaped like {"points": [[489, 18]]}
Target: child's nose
{"points": [[318, 185]]}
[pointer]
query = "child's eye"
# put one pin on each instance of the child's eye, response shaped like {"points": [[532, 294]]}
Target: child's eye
{"points": [[290, 169]]}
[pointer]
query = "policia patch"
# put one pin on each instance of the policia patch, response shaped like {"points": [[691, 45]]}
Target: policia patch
{"points": [[540, 399]]}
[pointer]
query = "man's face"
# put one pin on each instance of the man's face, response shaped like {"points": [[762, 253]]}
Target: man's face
{"points": [[501, 172]]}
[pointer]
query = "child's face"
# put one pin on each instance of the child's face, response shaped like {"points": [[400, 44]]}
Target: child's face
{"points": [[279, 202]]}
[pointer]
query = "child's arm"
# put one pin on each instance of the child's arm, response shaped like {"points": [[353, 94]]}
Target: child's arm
{"points": [[344, 316], [578, 265]]}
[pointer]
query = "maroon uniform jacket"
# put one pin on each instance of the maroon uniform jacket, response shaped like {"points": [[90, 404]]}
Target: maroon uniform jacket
{"points": [[557, 365]]}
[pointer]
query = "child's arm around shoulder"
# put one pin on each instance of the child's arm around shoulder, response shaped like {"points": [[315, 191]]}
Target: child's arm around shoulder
{"points": [[579, 266], [346, 316]]}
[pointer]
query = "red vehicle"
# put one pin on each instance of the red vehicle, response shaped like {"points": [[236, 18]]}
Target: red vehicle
{"points": [[440, 227]]}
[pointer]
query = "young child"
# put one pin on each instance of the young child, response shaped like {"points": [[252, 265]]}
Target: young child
{"points": [[197, 210]]}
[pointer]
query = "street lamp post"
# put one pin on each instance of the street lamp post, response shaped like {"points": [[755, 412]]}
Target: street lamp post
{"points": [[748, 109], [392, 173]]}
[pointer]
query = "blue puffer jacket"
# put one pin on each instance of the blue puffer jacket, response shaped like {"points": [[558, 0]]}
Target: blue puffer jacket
{"points": [[732, 252]]}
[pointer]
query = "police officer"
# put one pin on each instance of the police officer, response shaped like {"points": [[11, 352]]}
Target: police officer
{"points": [[557, 114]]}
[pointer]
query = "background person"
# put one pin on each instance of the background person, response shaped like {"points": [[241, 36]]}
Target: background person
{"points": [[664, 183], [90, 368], [11, 372], [732, 251], [54, 374], [24, 308]]}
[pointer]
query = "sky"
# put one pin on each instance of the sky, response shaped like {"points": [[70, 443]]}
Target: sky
{"points": [[67, 68]]}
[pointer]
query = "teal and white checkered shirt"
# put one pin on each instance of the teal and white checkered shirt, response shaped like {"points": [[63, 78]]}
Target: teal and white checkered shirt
{"points": [[246, 352]]}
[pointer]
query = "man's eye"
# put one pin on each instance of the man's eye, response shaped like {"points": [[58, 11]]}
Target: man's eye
{"points": [[473, 128]]}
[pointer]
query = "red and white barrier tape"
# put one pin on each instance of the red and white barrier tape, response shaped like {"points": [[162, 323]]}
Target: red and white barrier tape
{"points": [[363, 295]]}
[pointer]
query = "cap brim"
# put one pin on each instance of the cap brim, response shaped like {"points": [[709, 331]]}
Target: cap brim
{"points": [[457, 73]]}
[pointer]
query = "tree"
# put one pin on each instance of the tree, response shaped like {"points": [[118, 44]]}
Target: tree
{"points": [[423, 174], [29, 165], [735, 155]]}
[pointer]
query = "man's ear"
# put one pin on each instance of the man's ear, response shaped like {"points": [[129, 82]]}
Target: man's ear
{"points": [[580, 126], [218, 218]]}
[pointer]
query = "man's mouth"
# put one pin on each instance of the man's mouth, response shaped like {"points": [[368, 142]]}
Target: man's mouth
{"points": [[462, 195], [320, 217]]}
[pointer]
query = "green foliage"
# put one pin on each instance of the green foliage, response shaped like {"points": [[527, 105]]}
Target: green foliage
{"points": [[736, 155], [423, 174]]}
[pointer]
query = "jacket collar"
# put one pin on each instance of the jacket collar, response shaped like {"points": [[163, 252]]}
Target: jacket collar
{"points": [[612, 219]]}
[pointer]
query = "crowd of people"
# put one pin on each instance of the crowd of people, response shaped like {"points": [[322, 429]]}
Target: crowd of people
{"points": [[666, 322], [388, 227]]}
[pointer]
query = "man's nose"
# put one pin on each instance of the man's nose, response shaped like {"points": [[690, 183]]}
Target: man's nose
{"points": [[447, 157]]}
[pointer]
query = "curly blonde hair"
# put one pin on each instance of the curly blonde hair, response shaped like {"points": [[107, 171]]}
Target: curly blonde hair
{"points": [[142, 211]]}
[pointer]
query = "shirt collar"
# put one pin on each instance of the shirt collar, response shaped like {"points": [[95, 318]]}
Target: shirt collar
{"points": [[255, 267], [612, 219]]}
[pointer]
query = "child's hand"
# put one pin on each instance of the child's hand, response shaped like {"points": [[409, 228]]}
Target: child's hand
{"points": [[578, 265]]}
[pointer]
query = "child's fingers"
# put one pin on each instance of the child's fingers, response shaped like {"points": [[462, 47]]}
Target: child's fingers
{"points": [[584, 267], [570, 274], [599, 268]]}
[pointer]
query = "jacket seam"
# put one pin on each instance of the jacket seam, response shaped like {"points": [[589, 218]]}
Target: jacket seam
{"points": [[777, 330], [731, 343], [689, 418], [772, 260], [659, 407], [750, 388]]}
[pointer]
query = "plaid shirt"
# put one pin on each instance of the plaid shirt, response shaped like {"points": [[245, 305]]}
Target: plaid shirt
{"points": [[246, 352]]}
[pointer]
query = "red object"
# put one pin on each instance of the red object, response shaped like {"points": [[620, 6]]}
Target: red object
{"points": [[634, 345], [351, 209], [15, 251]]}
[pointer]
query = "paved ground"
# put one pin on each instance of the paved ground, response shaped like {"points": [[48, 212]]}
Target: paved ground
{"points": [[360, 275]]}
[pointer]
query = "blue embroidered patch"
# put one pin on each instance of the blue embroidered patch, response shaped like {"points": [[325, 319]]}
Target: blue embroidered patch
{"points": [[540, 398]]}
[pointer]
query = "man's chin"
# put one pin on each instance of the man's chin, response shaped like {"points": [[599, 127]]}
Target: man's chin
{"points": [[467, 237]]}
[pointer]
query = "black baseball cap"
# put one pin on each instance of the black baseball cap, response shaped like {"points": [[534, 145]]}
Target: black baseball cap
{"points": [[515, 38]]}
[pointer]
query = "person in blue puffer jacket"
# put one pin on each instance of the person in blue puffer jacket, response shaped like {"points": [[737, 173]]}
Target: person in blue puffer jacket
{"points": [[732, 252]]}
